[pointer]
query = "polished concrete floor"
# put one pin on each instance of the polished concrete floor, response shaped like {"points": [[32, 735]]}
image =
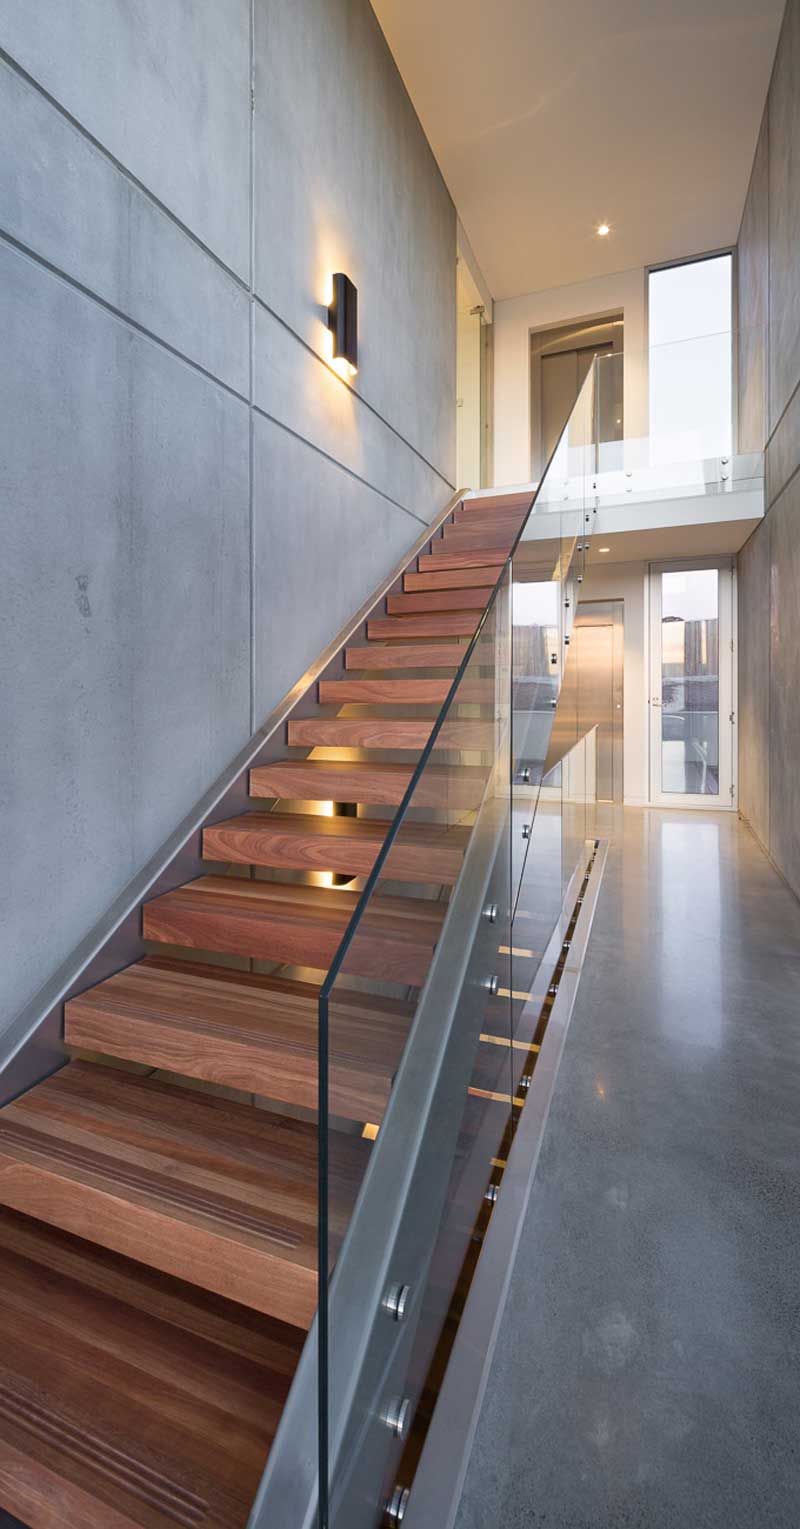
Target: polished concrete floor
{"points": [[647, 1372]]}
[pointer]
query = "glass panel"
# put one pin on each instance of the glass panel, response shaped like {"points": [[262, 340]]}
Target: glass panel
{"points": [[435, 1113], [690, 682], [675, 402], [424, 1053], [690, 413]]}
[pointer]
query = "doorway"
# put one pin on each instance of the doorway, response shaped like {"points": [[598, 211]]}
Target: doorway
{"points": [[599, 637], [473, 383], [692, 684], [560, 362]]}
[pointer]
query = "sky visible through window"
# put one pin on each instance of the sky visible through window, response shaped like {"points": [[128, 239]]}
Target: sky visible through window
{"points": [[689, 322]]}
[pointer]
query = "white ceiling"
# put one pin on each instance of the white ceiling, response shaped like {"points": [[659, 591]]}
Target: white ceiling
{"points": [[548, 117]]}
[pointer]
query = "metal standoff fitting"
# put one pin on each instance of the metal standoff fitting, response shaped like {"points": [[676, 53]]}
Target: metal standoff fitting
{"points": [[397, 1504], [493, 984], [395, 1416], [395, 1301]]}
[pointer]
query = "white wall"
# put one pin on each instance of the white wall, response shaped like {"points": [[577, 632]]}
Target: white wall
{"points": [[628, 582], [468, 399], [516, 317]]}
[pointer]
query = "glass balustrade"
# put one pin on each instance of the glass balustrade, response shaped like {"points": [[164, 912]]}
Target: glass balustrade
{"points": [[448, 989], [663, 428], [433, 1012]]}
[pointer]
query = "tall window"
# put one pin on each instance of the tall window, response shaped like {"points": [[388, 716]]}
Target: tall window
{"points": [[689, 312]]}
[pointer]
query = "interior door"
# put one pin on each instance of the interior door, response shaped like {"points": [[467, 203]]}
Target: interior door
{"points": [[563, 376], [598, 636], [692, 684]]}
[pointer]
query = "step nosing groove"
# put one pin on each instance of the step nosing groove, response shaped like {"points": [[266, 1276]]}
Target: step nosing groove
{"points": [[109, 1169], [52, 1427]]}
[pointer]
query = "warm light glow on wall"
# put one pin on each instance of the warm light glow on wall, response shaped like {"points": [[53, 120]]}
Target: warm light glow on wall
{"points": [[343, 367]]}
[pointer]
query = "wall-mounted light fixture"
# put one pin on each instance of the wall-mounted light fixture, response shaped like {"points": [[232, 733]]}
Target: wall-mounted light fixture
{"points": [[343, 324]]}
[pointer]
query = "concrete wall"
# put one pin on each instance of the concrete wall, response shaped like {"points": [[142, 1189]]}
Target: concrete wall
{"points": [[193, 501], [516, 317], [769, 415]]}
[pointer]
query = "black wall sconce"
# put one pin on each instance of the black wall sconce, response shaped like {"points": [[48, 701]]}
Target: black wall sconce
{"points": [[343, 324]]}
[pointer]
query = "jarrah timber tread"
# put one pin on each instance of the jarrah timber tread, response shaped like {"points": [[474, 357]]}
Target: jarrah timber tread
{"points": [[298, 925], [495, 503], [379, 785], [446, 558], [203, 1188], [417, 602], [481, 538], [448, 624], [244, 1031], [158, 1195], [452, 578], [422, 655], [391, 692], [129, 1399], [302, 842], [391, 733]]}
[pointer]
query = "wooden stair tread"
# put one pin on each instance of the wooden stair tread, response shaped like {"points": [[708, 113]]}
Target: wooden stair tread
{"points": [[420, 656], [129, 1400], [459, 599], [347, 845], [448, 624], [514, 500], [445, 557], [505, 519], [378, 784], [390, 733], [481, 520], [244, 1030], [299, 925], [207, 1190], [452, 578], [482, 539], [393, 692]]}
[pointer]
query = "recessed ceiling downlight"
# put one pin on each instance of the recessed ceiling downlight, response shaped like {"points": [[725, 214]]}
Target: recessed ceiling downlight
{"points": [[603, 229]]}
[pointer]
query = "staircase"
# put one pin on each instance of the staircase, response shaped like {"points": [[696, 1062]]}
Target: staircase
{"points": [[158, 1194]]}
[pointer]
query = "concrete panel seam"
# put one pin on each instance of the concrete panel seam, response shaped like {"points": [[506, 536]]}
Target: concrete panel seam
{"points": [[789, 401], [360, 396], [195, 366], [115, 313], [119, 166], [782, 490], [304, 441]]}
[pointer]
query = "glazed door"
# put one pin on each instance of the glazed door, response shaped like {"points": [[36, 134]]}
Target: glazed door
{"points": [[691, 684]]}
